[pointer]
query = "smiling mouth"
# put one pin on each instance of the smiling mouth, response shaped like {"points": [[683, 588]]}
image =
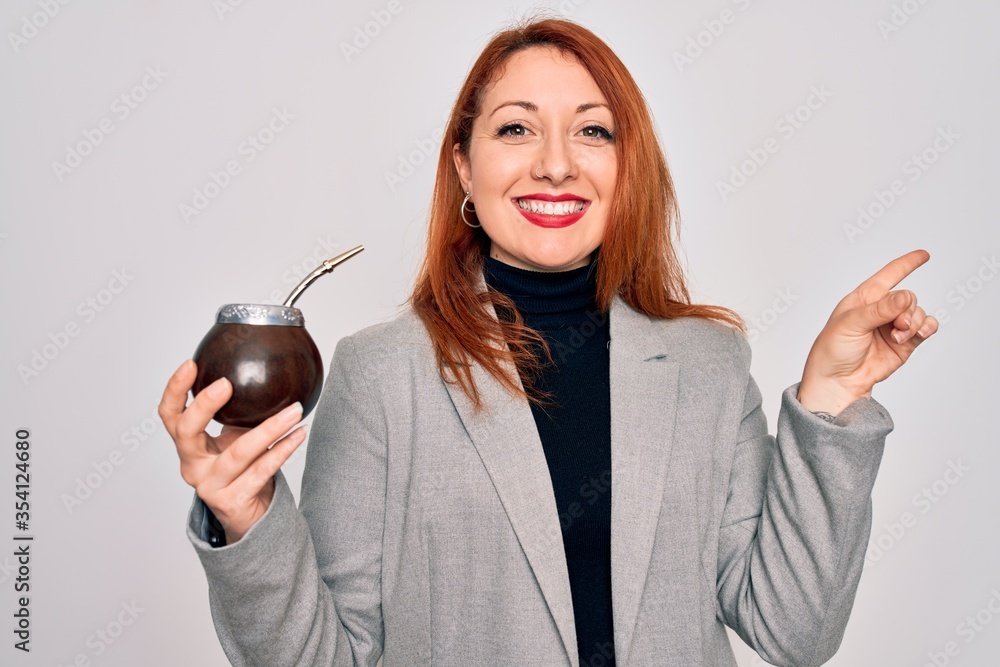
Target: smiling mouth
{"points": [[540, 207]]}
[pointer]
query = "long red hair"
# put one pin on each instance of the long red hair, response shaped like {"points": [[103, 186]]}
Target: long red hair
{"points": [[636, 259]]}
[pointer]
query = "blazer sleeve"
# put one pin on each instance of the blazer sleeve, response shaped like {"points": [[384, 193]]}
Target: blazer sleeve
{"points": [[796, 524], [303, 585]]}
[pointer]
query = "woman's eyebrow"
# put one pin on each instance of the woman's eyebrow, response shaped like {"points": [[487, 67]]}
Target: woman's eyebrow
{"points": [[532, 107]]}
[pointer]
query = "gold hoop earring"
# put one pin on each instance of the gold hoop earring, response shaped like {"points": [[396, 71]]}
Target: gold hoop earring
{"points": [[462, 210]]}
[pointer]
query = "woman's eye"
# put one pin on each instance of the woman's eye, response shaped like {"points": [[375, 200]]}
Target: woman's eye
{"points": [[519, 130], [598, 132], [509, 130]]}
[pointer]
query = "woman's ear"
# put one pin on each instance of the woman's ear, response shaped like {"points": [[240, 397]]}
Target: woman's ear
{"points": [[462, 166]]}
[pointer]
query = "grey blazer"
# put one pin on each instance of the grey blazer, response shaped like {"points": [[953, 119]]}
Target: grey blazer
{"points": [[429, 535]]}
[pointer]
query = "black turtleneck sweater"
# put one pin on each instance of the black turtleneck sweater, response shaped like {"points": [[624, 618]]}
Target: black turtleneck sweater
{"points": [[575, 432]]}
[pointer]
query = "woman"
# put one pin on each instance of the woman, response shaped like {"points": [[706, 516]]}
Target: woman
{"points": [[552, 457]]}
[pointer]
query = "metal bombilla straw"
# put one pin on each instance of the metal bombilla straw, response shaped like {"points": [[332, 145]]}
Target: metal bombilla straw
{"points": [[325, 267]]}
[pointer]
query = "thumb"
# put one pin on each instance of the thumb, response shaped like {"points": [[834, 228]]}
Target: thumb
{"points": [[883, 311]]}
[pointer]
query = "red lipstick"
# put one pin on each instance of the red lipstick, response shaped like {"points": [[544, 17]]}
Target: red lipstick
{"points": [[552, 221]]}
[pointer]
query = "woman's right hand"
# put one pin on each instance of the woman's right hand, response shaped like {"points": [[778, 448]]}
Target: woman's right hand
{"points": [[233, 473]]}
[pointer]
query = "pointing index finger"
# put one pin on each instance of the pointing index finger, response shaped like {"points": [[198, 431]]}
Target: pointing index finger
{"points": [[893, 273]]}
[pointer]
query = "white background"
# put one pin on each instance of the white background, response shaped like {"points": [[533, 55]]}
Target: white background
{"points": [[320, 187]]}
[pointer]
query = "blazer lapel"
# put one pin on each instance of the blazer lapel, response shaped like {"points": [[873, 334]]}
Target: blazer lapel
{"points": [[507, 440], [643, 411]]}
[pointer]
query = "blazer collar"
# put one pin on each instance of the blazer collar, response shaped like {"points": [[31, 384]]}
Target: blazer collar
{"points": [[643, 381]]}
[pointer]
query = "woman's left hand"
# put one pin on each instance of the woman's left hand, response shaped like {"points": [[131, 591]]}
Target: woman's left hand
{"points": [[871, 333]]}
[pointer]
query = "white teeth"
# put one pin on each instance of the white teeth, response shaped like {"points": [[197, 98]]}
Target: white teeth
{"points": [[551, 208]]}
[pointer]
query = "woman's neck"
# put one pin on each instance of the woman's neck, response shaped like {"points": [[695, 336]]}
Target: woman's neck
{"points": [[538, 292]]}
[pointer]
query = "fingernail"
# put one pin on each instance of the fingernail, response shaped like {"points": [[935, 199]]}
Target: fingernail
{"points": [[906, 323], [898, 335], [292, 412], [217, 388]]}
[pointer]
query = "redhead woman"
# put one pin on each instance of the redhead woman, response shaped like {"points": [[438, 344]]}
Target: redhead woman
{"points": [[551, 456]]}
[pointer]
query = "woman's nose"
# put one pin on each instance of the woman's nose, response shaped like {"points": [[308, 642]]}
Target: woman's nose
{"points": [[556, 162]]}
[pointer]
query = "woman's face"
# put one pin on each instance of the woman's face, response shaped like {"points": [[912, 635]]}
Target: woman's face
{"points": [[544, 132]]}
